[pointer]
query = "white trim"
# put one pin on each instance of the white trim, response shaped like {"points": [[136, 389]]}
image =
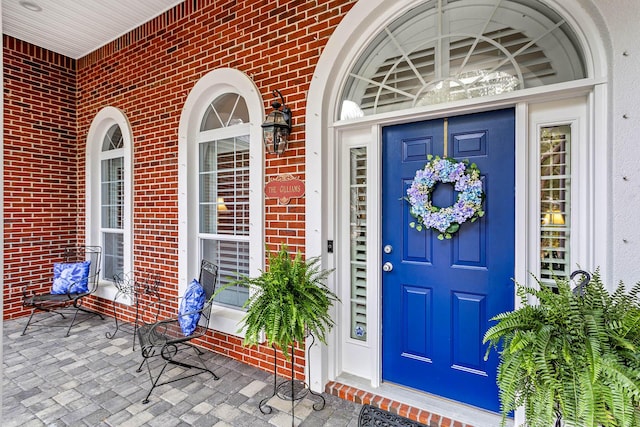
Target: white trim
{"points": [[475, 105], [211, 85], [581, 17], [522, 207], [375, 260], [359, 357], [522, 203], [101, 123], [224, 133], [602, 183]]}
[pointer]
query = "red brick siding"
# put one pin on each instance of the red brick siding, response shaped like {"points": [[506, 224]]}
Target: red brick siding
{"points": [[40, 165], [148, 74]]}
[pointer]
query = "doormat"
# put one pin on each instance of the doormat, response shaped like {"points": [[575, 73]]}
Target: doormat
{"points": [[372, 416]]}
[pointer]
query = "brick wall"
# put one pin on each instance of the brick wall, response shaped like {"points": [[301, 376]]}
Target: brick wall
{"points": [[40, 164], [148, 74]]}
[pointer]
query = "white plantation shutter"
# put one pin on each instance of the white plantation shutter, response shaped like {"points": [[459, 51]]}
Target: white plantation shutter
{"points": [[555, 202], [232, 259], [358, 234]]}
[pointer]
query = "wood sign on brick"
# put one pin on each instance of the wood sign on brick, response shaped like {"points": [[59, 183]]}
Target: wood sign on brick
{"points": [[284, 188]]}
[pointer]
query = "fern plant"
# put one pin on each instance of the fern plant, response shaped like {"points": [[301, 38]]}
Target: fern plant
{"points": [[571, 357], [291, 299]]}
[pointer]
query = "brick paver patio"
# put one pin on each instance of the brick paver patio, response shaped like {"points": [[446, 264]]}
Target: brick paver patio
{"points": [[88, 380]]}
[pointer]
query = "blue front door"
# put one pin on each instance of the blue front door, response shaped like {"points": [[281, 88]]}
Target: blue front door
{"points": [[440, 294]]}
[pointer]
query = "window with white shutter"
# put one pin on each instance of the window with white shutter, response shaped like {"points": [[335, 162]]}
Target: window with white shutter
{"points": [[555, 202], [224, 193], [109, 195], [358, 254], [112, 199]]}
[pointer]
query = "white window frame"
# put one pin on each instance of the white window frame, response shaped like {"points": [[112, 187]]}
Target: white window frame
{"points": [[101, 123], [571, 112], [239, 130], [209, 87]]}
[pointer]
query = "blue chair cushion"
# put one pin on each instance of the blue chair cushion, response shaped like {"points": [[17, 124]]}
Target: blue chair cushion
{"points": [[70, 277], [190, 306]]}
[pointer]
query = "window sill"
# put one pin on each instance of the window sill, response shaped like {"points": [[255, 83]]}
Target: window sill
{"points": [[108, 291], [227, 320]]}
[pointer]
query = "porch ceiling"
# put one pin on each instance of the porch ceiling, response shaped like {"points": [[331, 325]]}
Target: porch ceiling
{"points": [[75, 28]]}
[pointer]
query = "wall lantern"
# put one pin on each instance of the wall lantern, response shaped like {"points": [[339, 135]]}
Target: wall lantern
{"points": [[277, 127]]}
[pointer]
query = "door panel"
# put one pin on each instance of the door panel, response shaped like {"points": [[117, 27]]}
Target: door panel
{"points": [[468, 313], [418, 338], [440, 295]]}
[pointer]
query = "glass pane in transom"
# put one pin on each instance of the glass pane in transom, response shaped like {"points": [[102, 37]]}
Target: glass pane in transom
{"points": [[113, 139], [226, 110]]}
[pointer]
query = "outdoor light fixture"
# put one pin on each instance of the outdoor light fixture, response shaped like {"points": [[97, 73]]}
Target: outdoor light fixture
{"points": [[277, 127]]}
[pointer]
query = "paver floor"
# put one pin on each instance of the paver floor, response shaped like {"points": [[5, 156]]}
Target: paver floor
{"points": [[88, 380]]}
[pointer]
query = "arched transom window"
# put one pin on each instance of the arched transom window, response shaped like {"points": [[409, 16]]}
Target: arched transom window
{"points": [[447, 50]]}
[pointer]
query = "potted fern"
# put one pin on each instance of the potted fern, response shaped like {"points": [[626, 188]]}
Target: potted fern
{"points": [[291, 300], [572, 358]]}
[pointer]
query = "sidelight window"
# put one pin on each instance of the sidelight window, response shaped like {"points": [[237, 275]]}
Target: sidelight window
{"points": [[555, 202], [358, 239]]}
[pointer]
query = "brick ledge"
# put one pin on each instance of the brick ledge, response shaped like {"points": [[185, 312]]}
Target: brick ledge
{"points": [[356, 395]]}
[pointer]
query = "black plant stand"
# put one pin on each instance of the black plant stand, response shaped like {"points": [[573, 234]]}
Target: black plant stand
{"points": [[291, 389]]}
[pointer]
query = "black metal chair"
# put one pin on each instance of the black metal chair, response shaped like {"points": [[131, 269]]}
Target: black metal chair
{"points": [[143, 287], [72, 282], [164, 339]]}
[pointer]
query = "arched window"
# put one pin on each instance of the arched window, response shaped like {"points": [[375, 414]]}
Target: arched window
{"points": [[109, 187], [450, 50], [112, 202], [220, 181], [223, 192]]}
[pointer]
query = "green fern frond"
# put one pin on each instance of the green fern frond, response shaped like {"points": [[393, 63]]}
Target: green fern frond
{"points": [[289, 300], [573, 356]]}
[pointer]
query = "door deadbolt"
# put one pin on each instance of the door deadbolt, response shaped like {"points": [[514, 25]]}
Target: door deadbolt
{"points": [[387, 249]]}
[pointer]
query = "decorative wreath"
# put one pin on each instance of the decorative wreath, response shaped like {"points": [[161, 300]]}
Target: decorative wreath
{"points": [[466, 181]]}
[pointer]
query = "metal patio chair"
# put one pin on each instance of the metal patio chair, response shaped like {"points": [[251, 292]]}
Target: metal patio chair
{"points": [[167, 342], [73, 280], [143, 288]]}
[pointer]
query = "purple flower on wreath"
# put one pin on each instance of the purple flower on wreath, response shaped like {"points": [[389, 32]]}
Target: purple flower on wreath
{"points": [[466, 181]]}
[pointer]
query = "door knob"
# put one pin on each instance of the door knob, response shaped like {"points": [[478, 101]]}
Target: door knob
{"points": [[387, 266]]}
